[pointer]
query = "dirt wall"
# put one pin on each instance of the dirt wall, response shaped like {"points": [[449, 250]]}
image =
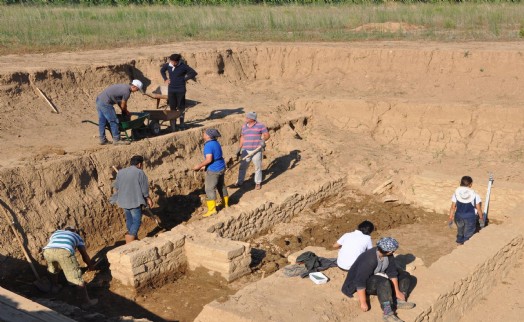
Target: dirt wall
{"points": [[443, 98]]}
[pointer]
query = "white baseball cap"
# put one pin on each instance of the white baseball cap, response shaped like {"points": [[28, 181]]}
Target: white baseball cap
{"points": [[138, 84]]}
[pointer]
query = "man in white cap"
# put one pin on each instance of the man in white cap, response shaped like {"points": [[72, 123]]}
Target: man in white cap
{"points": [[465, 209], [114, 94], [254, 136]]}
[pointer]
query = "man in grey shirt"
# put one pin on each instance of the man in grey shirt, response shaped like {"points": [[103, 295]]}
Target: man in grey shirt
{"points": [[114, 94], [132, 189]]}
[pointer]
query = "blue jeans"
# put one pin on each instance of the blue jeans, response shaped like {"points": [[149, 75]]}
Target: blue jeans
{"points": [[107, 115], [466, 227], [133, 220]]}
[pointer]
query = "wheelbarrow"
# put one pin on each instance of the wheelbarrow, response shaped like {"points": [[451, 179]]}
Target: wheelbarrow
{"points": [[160, 93], [158, 117], [134, 123]]}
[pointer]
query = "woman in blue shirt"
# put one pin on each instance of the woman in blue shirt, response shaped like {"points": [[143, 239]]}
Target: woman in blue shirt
{"points": [[215, 168]]}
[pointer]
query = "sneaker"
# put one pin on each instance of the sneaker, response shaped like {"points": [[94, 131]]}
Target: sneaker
{"points": [[404, 305], [104, 142], [120, 142], [391, 318], [235, 185], [258, 186]]}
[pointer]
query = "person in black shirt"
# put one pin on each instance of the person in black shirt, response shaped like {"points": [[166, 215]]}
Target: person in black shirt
{"points": [[175, 74], [373, 273]]}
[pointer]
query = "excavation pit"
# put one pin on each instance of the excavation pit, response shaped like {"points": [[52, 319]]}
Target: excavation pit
{"points": [[400, 122]]}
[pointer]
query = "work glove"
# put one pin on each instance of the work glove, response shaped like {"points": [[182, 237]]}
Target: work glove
{"points": [[263, 144], [239, 152], [482, 223], [450, 223]]}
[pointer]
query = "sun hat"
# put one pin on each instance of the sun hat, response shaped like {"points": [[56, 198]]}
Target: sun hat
{"points": [[388, 244], [251, 115], [464, 194], [138, 84]]}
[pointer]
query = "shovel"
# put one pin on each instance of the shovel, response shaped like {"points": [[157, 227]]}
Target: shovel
{"points": [[249, 155], [43, 284]]}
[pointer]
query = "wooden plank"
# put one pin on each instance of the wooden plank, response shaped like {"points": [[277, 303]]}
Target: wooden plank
{"points": [[16, 308], [46, 99]]}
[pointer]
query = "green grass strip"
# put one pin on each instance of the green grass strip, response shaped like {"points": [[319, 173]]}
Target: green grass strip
{"points": [[28, 29]]}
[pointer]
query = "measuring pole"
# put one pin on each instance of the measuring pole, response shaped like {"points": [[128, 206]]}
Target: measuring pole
{"points": [[484, 221]]}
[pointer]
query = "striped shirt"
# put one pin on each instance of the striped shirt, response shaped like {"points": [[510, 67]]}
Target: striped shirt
{"points": [[65, 239], [253, 135]]}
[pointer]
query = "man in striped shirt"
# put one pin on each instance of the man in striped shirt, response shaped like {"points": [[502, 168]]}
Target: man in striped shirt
{"points": [[60, 254], [254, 136]]}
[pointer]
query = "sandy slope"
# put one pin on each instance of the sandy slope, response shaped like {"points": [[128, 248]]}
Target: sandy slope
{"points": [[370, 110]]}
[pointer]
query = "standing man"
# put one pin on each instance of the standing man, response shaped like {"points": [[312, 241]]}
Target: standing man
{"points": [[114, 94], [465, 210], [254, 135], [373, 273], [60, 255], [178, 73], [132, 190], [215, 167], [353, 244]]}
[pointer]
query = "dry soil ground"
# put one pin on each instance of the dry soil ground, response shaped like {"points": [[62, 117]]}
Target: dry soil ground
{"points": [[372, 110]]}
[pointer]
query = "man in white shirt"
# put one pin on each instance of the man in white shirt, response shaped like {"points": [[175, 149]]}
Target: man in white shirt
{"points": [[353, 244]]}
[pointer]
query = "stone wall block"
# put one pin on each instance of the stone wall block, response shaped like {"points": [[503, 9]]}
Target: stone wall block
{"points": [[141, 256]]}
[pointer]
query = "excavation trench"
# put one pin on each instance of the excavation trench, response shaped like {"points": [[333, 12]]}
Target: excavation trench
{"points": [[319, 224], [380, 132]]}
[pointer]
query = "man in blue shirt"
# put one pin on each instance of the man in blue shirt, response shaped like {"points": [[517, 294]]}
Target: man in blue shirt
{"points": [[215, 167], [178, 73]]}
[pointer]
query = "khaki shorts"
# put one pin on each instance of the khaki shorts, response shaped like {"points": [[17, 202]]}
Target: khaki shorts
{"points": [[59, 258]]}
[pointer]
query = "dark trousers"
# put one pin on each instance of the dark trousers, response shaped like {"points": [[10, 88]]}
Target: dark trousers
{"points": [[466, 227], [177, 101], [383, 288]]}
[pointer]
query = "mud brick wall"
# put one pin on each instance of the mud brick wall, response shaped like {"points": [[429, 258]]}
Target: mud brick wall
{"points": [[154, 261], [453, 284], [150, 261], [229, 258], [249, 222]]}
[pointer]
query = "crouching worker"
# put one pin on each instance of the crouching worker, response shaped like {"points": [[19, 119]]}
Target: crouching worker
{"points": [[373, 273], [215, 168], [132, 191], [60, 254], [353, 244]]}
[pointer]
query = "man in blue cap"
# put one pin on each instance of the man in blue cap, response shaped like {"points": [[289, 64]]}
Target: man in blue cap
{"points": [[373, 273], [215, 168]]}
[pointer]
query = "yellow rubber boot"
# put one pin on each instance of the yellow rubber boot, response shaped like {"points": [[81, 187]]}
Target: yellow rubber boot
{"points": [[211, 208], [226, 202]]}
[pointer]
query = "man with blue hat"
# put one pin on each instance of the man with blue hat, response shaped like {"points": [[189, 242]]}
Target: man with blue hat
{"points": [[373, 273], [215, 168]]}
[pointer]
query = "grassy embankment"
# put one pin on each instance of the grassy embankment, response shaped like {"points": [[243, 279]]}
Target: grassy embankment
{"points": [[25, 29]]}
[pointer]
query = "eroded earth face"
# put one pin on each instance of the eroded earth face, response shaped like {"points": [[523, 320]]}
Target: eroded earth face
{"points": [[400, 121]]}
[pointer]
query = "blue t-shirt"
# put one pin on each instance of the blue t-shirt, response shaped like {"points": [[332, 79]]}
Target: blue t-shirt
{"points": [[213, 147]]}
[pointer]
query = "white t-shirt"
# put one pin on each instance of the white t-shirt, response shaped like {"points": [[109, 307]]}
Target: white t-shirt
{"points": [[353, 244]]}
